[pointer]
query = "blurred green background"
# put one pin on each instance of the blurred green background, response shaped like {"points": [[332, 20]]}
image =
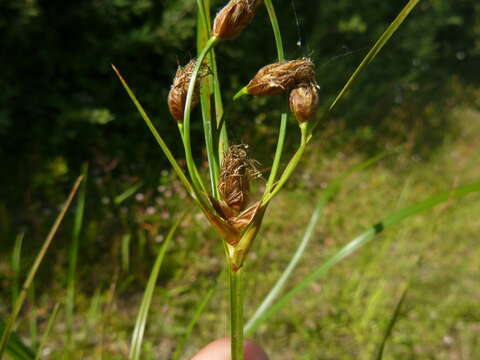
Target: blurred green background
{"points": [[61, 106]]}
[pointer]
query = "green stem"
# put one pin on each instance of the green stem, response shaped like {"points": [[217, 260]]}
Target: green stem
{"points": [[213, 86], [276, 29], [50, 323], [291, 166], [278, 153], [283, 121], [196, 194], [236, 314], [219, 111], [213, 166], [192, 169]]}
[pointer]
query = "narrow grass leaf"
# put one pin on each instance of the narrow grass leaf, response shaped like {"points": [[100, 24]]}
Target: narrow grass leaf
{"points": [[206, 90], [276, 29], [192, 167], [137, 337], [360, 241], [325, 197], [127, 193], [155, 133], [16, 349], [392, 322], [283, 118], [126, 252], [33, 270], [16, 258], [73, 256], [32, 315], [50, 323], [382, 40], [220, 135]]}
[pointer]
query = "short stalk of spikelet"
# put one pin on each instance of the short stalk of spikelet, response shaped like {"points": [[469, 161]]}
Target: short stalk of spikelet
{"points": [[178, 92], [282, 76], [234, 17], [303, 101]]}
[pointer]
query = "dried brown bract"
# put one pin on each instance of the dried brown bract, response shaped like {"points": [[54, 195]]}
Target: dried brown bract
{"points": [[178, 92], [234, 17], [304, 101], [275, 78], [235, 174]]}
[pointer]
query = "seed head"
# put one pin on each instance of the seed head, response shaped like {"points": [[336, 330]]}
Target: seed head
{"points": [[275, 78], [304, 101], [234, 17], [235, 174], [179, 89]]}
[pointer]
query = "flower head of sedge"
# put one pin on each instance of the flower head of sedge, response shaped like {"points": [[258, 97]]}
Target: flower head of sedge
{"points": [[234, 17], [282, 76], [235, 174], [303, 100], [179, 89], [234, 187]]}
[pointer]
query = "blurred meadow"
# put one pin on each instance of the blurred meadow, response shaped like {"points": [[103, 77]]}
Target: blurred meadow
{"points": [[410, 293]]}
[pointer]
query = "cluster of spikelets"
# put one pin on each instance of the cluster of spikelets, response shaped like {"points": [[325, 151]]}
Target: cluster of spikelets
{"points": [[232, 212], [296, 76]]}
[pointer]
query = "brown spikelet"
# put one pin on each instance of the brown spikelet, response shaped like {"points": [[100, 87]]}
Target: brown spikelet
{"points": [[179, 89], [234, 17], [234, 185], [235, 174], [275, 78], [303, 101]]}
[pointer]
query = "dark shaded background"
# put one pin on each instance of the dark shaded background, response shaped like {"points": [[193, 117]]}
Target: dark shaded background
{"points": [[61, 105]]}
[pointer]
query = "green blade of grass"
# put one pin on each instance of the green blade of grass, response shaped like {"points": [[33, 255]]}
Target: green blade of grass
{"points": [[221, 129], [382, 40], [127, 193], [50, 323], [192, 167], [32, 315], [16, 349], [203, 34], [392, 322], [276, 29], [73, 256], [125, 253], [106, 315], [155, 133], [137, 336], [16, 258], [325, 197], [360, 241], [199, 310], [283, 118], [33, 270]]}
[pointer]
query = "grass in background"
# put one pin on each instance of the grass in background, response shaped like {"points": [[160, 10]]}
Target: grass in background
{"points": [[72, 261], [10, 323], [347, 314]]}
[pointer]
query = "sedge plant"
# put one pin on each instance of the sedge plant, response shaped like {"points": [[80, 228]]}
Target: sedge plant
{"points": [[226, 199]]}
